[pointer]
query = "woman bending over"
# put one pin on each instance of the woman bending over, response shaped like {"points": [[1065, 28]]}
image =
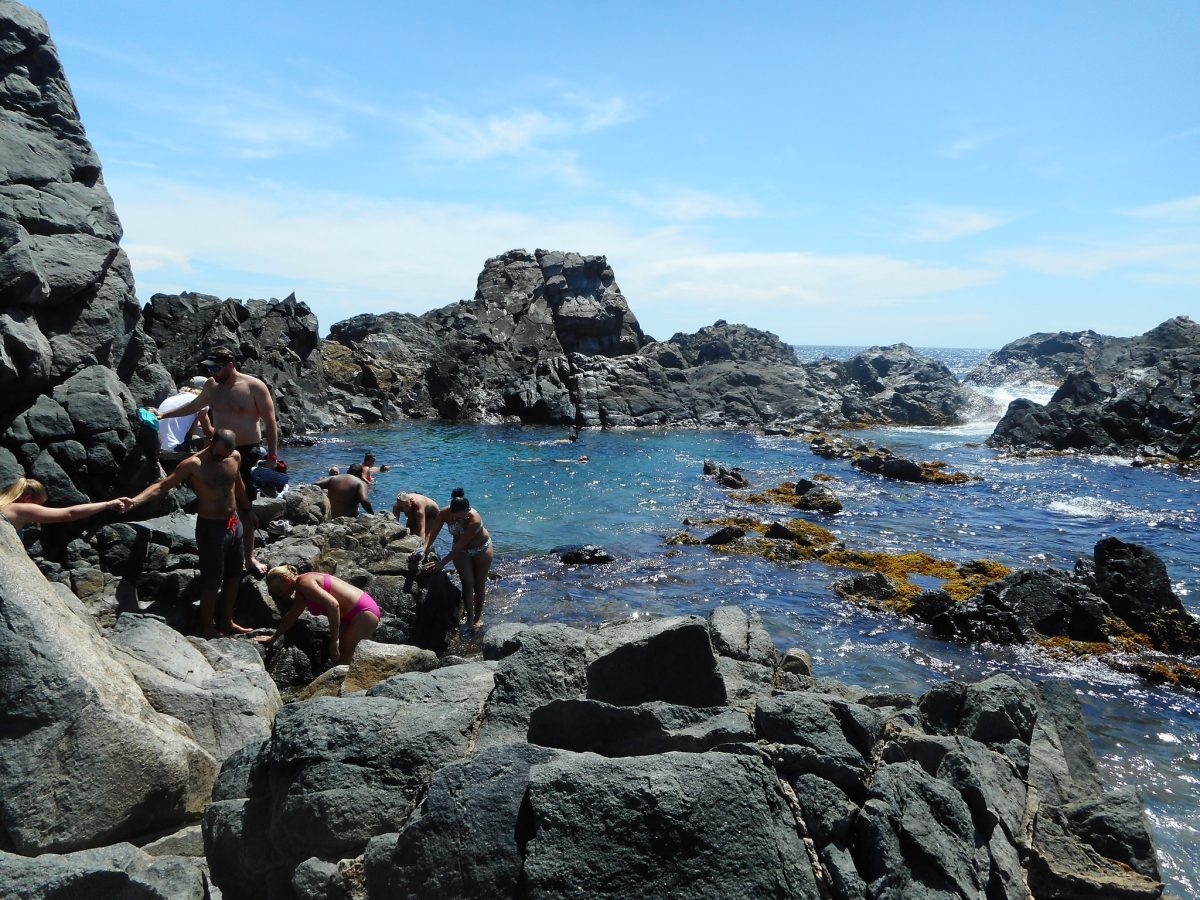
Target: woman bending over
{"points": [[471, 552], [22, 503], [353, 614]]}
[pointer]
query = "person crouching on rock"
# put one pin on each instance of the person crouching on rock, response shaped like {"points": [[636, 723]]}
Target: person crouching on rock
{"points": [[21, 504], [214, 475], [418, 510], [353, 614], [471, 552]]}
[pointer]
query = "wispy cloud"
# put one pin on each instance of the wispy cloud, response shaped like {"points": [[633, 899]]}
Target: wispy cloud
{"points": [[948, 223], [458, 137], [1182, 209], [1086, 262], [687, 204], [973, 142], [347, 254]]}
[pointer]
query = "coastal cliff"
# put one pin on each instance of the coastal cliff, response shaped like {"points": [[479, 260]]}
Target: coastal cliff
{"points": [[75, 360]]}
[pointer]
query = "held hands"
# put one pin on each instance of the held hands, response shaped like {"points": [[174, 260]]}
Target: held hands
{"points": [[121, 504]]}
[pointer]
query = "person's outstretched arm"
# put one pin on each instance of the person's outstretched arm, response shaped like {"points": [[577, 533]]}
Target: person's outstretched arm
{"points": [[22, 514], [197, 403], [161, 488]]}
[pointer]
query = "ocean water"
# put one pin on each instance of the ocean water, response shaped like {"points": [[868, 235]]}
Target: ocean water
{"points": [[640, 485]]}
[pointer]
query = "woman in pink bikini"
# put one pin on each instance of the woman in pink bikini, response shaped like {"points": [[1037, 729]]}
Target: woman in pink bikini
{"points": [[353, 615]]}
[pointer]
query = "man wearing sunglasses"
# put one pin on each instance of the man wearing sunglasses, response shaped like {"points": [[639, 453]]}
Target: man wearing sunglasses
{"points": [[238, 401]]}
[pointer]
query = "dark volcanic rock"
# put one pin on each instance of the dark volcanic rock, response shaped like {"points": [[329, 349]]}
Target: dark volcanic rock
{"points": [[277, 341], [548, 338], [70, 326], [1125, 396]]}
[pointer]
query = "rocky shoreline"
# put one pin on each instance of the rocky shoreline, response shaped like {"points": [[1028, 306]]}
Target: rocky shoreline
{"points": [[136, 760]]}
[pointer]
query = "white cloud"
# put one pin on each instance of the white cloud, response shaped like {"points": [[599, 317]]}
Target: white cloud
{"points": [[459, 137], [346, 255], [686, 205], [1183, 209], [972, 143], [152, 257], [948, 223], [1086, 262]]}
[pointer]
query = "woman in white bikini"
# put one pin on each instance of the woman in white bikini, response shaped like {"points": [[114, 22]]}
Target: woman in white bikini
{"points": [[471, 552]]}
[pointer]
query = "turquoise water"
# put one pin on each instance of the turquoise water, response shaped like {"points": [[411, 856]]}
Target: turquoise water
{"points": [[640, 485]]}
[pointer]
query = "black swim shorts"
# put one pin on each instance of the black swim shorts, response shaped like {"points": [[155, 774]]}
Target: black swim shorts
{"points": [[251, 454], [219, 545]]}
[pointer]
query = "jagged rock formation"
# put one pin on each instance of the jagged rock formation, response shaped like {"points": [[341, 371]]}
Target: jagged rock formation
{"points": [[676, 757], [278, 341], [1118, 396], [549, 339], [75, 361]]}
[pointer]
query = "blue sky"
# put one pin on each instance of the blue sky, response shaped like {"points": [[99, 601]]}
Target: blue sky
{"points": [[946, 174]]}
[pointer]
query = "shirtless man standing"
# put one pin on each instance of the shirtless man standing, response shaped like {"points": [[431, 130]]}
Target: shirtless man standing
{"points": [[346, 492], [419, 512], [214, 476], [238, 401]]}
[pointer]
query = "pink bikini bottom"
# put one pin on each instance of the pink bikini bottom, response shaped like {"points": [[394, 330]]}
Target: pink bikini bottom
{"points": [[366, 603]]}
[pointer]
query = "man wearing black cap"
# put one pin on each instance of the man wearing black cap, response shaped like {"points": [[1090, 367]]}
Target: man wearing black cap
{"points": [[238, 401]]}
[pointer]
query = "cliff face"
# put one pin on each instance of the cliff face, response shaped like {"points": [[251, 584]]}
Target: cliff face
{"points": [[74, 359]]}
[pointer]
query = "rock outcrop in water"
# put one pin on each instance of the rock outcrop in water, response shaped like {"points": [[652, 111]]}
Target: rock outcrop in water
{"points": [[75, 360], [1117, 605], [1117, 396], [550, 339]]}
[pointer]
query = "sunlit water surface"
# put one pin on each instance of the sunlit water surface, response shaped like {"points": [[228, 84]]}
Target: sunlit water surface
{"points": [[639, 485]]}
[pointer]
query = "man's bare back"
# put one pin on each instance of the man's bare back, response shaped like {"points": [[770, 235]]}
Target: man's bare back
{"points": [[419, 512], [346, 492]]}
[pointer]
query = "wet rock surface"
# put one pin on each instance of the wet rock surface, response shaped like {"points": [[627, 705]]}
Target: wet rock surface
{"points": [[1118, 396]]}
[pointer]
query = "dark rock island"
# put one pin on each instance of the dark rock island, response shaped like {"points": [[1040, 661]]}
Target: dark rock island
{"points": [[1116, 396]]}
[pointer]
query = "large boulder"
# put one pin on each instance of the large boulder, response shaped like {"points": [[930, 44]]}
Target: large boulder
{"points": [[218, 688], [121, 870], [85, 759], [67, 303]]}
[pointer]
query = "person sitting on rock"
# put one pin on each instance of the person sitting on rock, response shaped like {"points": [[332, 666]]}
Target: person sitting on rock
{"points": [[369, 468], [177, 433], [346, 492], [471, 552], [419, 511], [22, 503], [352, 613], [214, 474]]}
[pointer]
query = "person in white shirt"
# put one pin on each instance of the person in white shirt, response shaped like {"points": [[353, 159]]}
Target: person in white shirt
{"points": [[176, 432]]}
